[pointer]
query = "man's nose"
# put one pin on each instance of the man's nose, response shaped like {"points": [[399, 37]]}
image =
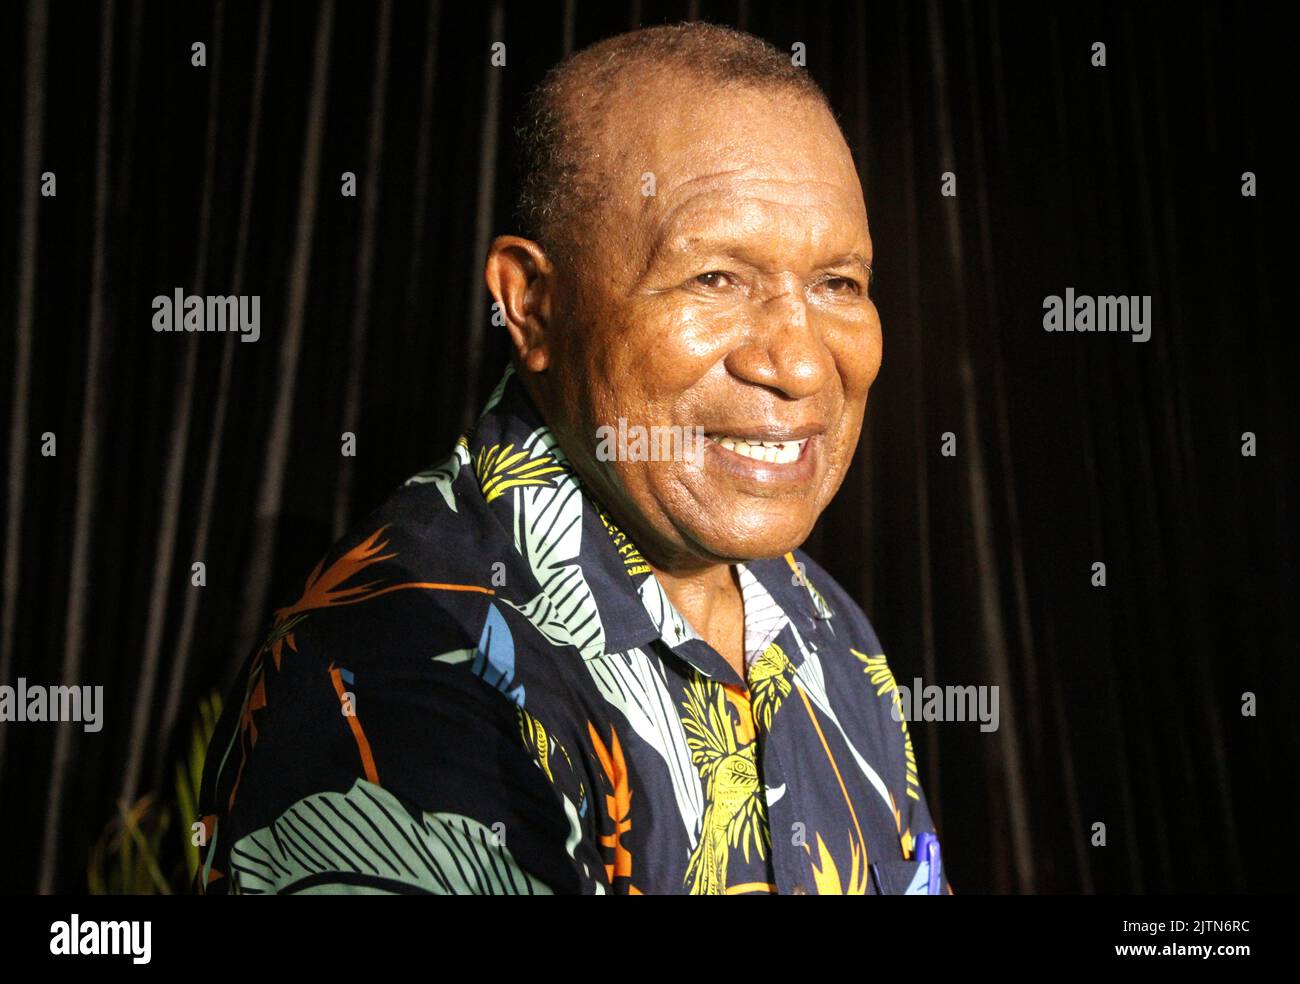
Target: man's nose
{"points": [[784, 350]]}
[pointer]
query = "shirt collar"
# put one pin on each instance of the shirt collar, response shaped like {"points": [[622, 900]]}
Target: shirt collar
{"points": [[584, 581]]}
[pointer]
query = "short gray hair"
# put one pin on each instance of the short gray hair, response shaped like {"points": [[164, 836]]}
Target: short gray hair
{"points": [[553, 133]]}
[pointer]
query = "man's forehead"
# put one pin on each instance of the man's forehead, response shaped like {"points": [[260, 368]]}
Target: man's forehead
{"points": [[755, 199], [752, 195], [684, 157]]}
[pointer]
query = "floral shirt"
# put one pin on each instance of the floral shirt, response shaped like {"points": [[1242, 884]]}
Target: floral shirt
{"points": [[485, 689]]}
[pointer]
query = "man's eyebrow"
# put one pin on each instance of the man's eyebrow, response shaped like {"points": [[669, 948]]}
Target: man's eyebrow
{"points": [[688, 245], [701, 245], [849, 259]]}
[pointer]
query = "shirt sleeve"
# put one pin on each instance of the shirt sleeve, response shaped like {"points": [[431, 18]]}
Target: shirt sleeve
{"points": [[344, 772]]}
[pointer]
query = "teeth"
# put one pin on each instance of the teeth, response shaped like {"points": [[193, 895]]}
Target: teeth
{"points": [[773, 452]]}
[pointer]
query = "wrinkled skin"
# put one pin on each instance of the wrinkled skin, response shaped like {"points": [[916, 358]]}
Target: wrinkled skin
{"points": [[734, 298]]}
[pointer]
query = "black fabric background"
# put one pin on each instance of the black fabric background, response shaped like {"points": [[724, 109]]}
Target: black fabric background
{"points": [[1119, 705]]}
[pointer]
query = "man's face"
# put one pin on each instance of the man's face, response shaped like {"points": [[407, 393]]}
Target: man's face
{"points": [[734, 299]]}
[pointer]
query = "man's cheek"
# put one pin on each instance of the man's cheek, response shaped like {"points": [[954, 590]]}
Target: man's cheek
{"points": [[693, 340], [877, 337], [858, 350]]}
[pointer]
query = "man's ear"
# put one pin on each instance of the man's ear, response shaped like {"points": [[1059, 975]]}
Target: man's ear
{"points": [[521, 278]]}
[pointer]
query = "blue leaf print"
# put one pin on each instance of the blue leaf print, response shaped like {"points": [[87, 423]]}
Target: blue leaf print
{"points": [[495, 659]]}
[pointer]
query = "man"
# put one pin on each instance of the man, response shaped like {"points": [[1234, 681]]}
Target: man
{"points": [[545, 667]]}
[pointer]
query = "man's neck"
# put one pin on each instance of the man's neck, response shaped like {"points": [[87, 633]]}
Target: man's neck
{"points": [[710, 600], [707, 596]]}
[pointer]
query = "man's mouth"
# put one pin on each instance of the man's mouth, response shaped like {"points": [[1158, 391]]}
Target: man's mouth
{"points": [[767, 457], [771, 452]]}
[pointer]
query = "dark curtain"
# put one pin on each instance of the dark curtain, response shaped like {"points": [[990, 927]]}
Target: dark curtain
{"points": [[1120, 705]]}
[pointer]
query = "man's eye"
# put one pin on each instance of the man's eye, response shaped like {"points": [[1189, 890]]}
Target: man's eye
{"points": [[714, 279], [842, 285]]}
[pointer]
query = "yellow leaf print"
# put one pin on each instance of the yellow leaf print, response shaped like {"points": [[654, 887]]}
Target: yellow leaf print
{"points": [[735, 814], [536, 739], [542, 746], [770, 679], [499, 470], [883, 677]]}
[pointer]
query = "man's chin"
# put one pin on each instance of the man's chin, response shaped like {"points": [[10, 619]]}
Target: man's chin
{"points": [[743, 541]]}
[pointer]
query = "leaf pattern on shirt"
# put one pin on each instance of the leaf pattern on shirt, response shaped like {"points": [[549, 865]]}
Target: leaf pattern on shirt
{"points": [[811, 680], [618, 806], [771, 676], [545, 748], [735, 814], [501, 469], [634, 684], [547, 530], [443, 475], [882, 676], [367, 841], [826, 874]]}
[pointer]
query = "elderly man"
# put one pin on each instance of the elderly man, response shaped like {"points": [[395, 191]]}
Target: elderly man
{"points": [[545, 667]]}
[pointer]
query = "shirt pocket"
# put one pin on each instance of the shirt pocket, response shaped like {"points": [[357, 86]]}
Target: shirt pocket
{"points": [[903, 877]]}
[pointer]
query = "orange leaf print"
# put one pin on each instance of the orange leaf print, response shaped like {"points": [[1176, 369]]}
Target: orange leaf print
{"points": [[827, 875], [738, 697], [618, 804], [324, 590]]}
